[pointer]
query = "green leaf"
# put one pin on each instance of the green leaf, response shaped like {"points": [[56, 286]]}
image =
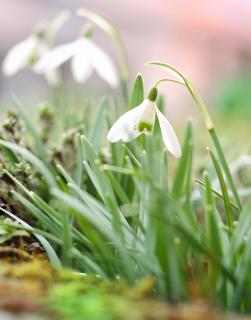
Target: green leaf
{"points": [[82, 211], [36, 162], [212, 227], [208, 121], [183, 166], [54, 260], [78, 174], [225, 167], [229, 214], [137, 92], [216, 193], [40, 148], [96, 133]]}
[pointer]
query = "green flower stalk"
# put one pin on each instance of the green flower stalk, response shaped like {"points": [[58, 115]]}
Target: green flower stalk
{"points": [[108, 28], [180, 78]]}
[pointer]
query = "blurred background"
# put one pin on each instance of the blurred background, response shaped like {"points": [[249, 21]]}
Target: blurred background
{"points": [[209, 40]]}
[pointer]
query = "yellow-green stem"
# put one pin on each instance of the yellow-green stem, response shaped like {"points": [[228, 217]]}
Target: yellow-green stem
{"points": [[209, 124]]}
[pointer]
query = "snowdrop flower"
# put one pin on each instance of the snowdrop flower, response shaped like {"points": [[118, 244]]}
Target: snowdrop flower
{"points": [[23, 54], [85, 57], [141, 120], [27, 52]]}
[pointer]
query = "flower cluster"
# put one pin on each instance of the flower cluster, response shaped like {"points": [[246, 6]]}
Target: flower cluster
{"points": [[85, 57], [37, 53]]}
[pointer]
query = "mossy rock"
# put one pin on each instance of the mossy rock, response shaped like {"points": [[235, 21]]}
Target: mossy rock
{"points": [[34, 290]]}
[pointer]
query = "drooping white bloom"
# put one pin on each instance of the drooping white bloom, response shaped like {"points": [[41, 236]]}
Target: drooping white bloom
{"points": [[19, 56], [27, 52], [85, 57], [141, 120]]}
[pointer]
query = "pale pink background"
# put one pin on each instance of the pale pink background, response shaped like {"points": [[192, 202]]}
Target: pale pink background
{"points": [[207, 39]]}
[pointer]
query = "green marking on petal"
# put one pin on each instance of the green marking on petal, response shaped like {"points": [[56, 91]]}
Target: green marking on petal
{"points": [[144, 126], [40, 30], [33, 59]]}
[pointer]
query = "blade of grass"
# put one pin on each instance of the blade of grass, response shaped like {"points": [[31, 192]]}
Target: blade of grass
{"points": [[97, 129], [225, 167], [182, 170], [137, 95], [212, 228], [39, 145], [36, 162], [78, 174], [54, 260], [82, 211], [216, 193], [229, 215]]}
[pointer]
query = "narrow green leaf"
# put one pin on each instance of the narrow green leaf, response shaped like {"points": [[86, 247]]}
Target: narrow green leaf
{"points": [[82, 211], [96, 133], [117, 187], [78, 174], [209, 124], [137, 92], [225, 167], [39, 145], [229, 214], [212, 227], [54, 260], [182, 170], [216, 193], [37, 163]]}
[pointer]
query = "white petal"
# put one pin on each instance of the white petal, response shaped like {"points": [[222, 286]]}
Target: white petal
{"points": [[169, 137], [42, 49], [18, 57], [148, 115], [124, 128], [56, 57], [53, 77], [81, 66], [104, 66]]}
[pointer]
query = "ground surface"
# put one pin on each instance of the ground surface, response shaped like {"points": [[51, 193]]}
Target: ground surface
{"points": [[31, 289]]}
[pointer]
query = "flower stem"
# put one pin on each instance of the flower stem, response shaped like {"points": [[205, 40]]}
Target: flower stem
{"points": [[210, 126], [208, 121], [225, 166], [167, 80], [107, 27]]}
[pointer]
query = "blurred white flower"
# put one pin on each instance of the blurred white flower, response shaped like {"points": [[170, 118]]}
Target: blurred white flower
{"points": [[85, 57], [27, 52], [23, 55], [19, 56], [141, 120]]}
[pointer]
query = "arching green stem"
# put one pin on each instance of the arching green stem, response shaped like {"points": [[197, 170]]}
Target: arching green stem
{"points": [[56, 25], [208, 121], [167, 80]]}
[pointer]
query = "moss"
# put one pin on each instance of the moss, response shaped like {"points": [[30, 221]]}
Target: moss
{"points": [[36, 289]]}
